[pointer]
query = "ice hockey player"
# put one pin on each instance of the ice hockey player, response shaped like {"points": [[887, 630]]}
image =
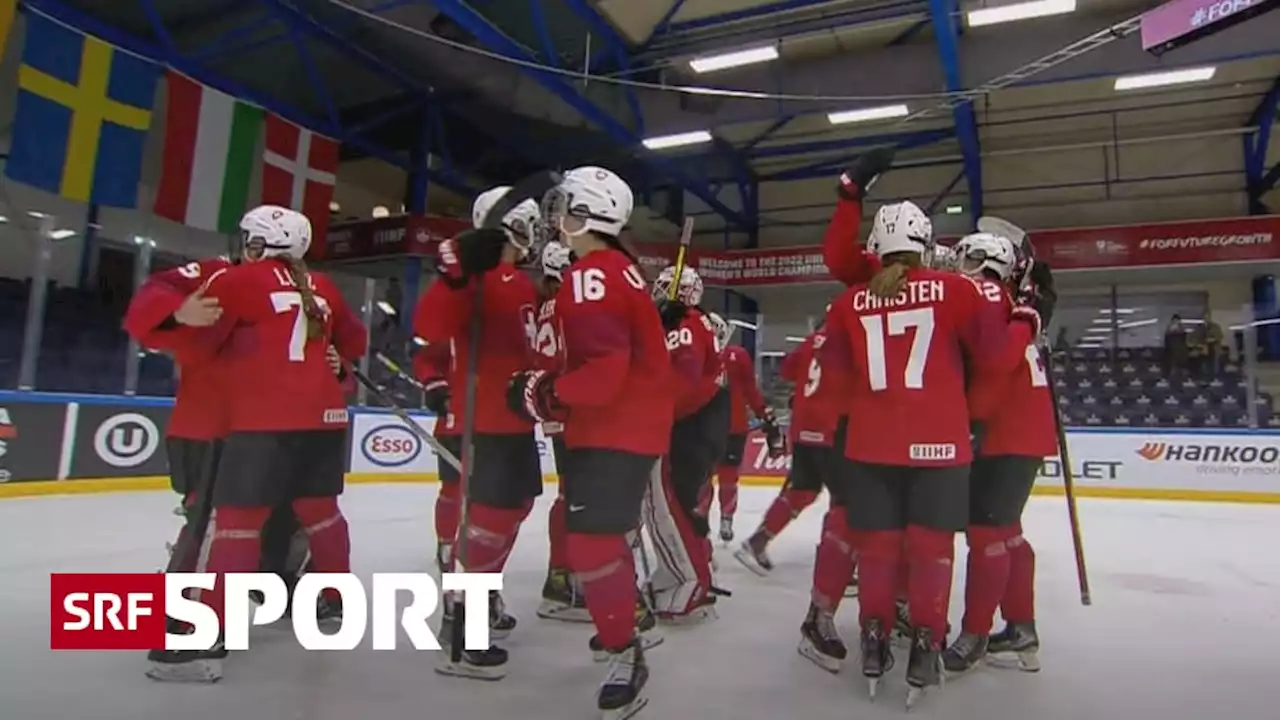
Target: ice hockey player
{"points": [[612, 391], [433, 366], [906, 336], [682, 578], [561, 596], [287, 437], [744, 394], [1014, 431], [507, 476]]}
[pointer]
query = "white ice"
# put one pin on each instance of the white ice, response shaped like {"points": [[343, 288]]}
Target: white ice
{"points": [[1184, 626]]}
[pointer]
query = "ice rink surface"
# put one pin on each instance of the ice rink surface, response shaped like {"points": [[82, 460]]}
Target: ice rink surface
{"points": [[1185, 626]]}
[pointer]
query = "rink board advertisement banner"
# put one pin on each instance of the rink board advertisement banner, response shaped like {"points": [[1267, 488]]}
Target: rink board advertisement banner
{"points": [[383, 444], [30, 440]]}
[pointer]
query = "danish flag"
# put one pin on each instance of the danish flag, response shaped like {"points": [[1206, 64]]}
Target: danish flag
{"points": [[298, 171]]}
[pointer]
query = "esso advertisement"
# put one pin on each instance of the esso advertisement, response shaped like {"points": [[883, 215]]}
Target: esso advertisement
{"points": [[391, 446]]}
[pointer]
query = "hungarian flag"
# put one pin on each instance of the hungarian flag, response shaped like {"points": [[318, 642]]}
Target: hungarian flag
{"points": [[210, 139], [298, 169]]}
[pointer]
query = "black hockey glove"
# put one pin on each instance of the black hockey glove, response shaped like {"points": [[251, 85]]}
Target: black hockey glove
{"points": [[774, 440], [1045, 300], [672, 313], [531, 394], [469, 254], [856, 181], [435, 396]]}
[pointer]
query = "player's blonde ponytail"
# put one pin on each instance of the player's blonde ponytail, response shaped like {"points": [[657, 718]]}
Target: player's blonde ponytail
{"points": [[892, 277], [310, 306]]}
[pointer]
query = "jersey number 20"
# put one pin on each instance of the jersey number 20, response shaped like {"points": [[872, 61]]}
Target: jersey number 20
{"points": [[899, 322]]}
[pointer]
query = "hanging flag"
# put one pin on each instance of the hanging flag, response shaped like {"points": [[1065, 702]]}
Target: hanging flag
{"points": [[82, 115], [298, 168], [209, 144], [8, 8]]}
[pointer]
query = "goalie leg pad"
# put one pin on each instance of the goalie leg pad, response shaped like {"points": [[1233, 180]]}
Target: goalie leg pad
{"points": [[682, 576]]}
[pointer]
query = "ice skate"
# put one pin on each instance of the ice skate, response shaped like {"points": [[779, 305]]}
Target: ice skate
{"points": [[329, 610], [877, 655], [500, 623], [902, 625], [490, 664], [622, 693], [754, 555], [726, 529], [964, 654], [819, 641], [924, 667], [562, 600], [646, 631], [444, 557], [851, 590], [187, 666], [704, 611], [1016, 646]]}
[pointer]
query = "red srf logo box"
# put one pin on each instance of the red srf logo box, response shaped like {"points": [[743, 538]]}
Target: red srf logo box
{"points": [[115, 611]]}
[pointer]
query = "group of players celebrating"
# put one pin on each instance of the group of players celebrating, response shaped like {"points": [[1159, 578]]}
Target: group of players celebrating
{"points": [[921, 405]]}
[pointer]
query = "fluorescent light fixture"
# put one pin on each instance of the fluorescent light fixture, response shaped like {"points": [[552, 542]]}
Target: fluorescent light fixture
{"points": [[3, 219], [662, 142], [795, 339], [385, 307], [334, 206], [62, 234], [1102, 321], [743, 324], [35, 214], [1118, 311], [772, 353], [419, 341], [1161, 79], [738, 58], [1088, 346], [1019, 11], [380, 211], [1139, 323], [881, 112], [954, 209], [1257, 323]]}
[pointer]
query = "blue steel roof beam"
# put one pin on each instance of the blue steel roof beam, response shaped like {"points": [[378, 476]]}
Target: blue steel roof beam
{"points": [[945, 15], [664, 23], [297, 35], [768, 132], [83, 22], [827, 167], [157, 24], [819, 146], [538, 13], [495, 40], [411, 105], [616, 47], [238, 40], [748, 13], [1256, 146]]}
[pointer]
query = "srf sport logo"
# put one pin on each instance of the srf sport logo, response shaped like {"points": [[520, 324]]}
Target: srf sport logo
{"points": [[1208, 453], [391, 445]]}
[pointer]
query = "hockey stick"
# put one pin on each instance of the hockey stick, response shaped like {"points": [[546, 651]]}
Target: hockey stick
{"points": [[1068, 480], [404, 416], [686, 238], [456, 631]]}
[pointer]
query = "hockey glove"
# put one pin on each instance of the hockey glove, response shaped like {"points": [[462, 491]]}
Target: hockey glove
{"points": [[856, 182], [1028, 313], [672, 313], [531, 394], [773, 437], [1046, 295], [435, 396], [469, 254]]}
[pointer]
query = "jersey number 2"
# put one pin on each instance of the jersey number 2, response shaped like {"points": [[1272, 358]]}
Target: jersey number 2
{"points": [[287, 301], [899, 323]]}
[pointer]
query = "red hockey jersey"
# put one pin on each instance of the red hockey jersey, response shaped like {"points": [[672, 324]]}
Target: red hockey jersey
{"points": [[200, 410], [845, 258], [821, 392], [744, 390], [443, 319], [1015, 408], [279, 379], [695, 361], [616, 372], [907, 356]]}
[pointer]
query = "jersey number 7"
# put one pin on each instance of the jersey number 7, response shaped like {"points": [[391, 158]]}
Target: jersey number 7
{"points": [[291, 301], [899, 322]]}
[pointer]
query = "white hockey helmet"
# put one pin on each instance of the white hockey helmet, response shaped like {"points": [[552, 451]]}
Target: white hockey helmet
{"points": [[900, 228], [596, 196], [556, 258], [982, 252], [690, 290], [519, 223], [942, 257], [274, 231], [721, 328]]}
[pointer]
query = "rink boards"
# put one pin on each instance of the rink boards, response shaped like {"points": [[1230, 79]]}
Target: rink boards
{"points": [[55, 443]]}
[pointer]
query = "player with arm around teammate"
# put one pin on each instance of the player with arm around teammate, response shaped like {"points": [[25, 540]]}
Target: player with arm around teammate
{"points": [[1014, 431], [612, 391], [287, 412], [907, 337]]}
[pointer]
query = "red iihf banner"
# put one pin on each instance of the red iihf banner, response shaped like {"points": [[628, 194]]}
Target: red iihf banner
{"points": [[390, 236], [1179, 22], [1178, 243]]}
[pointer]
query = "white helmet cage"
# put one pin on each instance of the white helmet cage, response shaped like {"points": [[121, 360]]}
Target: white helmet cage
{"points": [[982, 252], [722, 328], [596, 196], [276, 231], [521, 223], [556, 258], [690, 290], [900, 228], [941, 257]]}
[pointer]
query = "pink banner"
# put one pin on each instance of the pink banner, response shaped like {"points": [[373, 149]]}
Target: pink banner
{"points": [[1180, 21]]}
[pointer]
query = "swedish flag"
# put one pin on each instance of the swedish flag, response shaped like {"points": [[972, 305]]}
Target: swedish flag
{"points": [[83, 111]]}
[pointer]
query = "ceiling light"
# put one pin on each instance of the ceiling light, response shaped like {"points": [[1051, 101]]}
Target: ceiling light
{"points": [[794, 339], [1118, 311], [3, 219], [1088, 346], [724, 61], [380, 211], [883, 112], [662, 142], [1161, 79], [954, 209], [1138, 323], [1019, 11], [62, 234], [386, 307], [743, 324]]}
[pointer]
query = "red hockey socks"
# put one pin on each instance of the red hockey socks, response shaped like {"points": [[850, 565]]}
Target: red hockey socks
{"points": [[559, 558], [931, 555], [491, 533], [904, 573], [986, 577], [785, 508], [705, 497], [235, 548], [1019, 601], [833, 561], [879, 555], [727, 479], [327, 533], [448, 512], [604, 567]]}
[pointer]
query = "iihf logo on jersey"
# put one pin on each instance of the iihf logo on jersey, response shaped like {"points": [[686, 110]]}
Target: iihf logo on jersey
{"points": [[128, 611]]}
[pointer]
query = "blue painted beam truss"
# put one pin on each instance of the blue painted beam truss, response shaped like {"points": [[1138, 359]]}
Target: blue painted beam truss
{"points": [[298, 27], [945, 15], [1260, 180]]}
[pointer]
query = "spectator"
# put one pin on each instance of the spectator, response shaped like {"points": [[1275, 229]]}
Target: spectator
{"points": [[1175, 347], [1061, 342], [1212, 340]]}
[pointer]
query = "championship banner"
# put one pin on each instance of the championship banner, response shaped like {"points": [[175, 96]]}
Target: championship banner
{"points": [[391, 236]]}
